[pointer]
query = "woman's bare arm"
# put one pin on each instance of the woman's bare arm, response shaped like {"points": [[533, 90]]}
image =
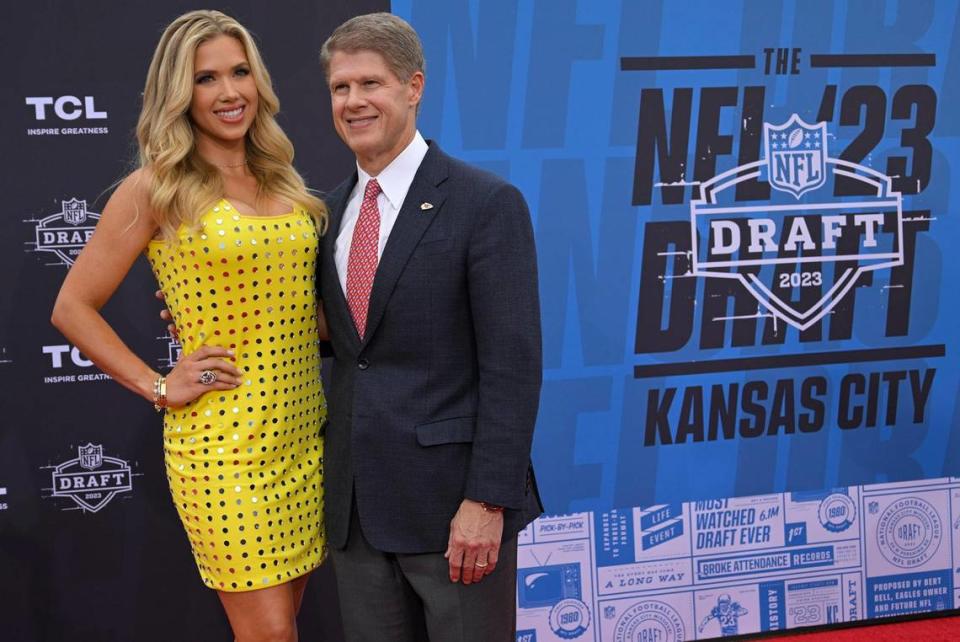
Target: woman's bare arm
{"points": [[126, 226], [124, 229]]}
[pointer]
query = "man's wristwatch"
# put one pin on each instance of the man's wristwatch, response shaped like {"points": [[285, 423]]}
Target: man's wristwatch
{"points": [[491, 508]]}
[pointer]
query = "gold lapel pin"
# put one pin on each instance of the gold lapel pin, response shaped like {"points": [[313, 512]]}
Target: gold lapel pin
{"points": [[426, 206]]}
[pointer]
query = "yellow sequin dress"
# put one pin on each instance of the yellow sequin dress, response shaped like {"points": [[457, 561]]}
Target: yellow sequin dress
{"points": [[245, 466]]}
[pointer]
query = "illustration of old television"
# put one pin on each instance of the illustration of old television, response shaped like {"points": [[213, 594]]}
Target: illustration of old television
{"points": [[546, 585]]}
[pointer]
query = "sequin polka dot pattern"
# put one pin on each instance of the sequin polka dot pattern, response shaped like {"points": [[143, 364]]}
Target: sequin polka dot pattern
{"points": [[245, 466]]}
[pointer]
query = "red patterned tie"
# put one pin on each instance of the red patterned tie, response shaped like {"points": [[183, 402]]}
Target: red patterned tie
{"points": [[362, 263]]}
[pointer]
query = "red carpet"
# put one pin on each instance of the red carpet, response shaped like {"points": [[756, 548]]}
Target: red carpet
{"points": [[942, 629]]}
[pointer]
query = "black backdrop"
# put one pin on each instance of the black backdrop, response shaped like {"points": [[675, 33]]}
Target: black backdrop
{"points": [[123, 572]]}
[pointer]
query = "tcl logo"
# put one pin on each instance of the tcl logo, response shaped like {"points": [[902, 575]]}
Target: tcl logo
{"points": [[58, 352], [65, 107]]}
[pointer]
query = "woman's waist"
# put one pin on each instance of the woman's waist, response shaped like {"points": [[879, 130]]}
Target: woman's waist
{"points": [[251, 338], [270, 379], [257, 399]]}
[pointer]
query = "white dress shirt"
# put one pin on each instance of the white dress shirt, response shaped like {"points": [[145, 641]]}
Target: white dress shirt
{"points": [[395, 181]]}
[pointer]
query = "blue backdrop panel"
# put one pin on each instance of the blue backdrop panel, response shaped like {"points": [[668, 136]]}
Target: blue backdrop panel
{"points": [[743, 220], [743, 232]]}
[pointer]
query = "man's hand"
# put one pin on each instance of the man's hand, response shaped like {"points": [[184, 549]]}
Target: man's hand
{"points": [[474, 544], [166, 316]]}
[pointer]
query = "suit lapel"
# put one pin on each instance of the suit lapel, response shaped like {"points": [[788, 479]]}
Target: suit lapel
{"points": [[334, 301], [411, 223]]}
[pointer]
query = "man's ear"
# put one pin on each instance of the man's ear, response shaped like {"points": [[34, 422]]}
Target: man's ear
{"points": [[416, 82]]}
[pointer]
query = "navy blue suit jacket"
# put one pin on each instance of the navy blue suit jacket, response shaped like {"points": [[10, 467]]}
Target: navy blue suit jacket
{"points": [[438, 402]]}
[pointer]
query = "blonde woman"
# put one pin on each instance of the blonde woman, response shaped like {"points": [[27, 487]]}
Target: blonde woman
{"points": [[231, 234]]}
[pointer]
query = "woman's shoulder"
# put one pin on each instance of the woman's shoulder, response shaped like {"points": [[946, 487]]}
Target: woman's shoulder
{"points": [[138, 182], [131, 202], [134, 187]]}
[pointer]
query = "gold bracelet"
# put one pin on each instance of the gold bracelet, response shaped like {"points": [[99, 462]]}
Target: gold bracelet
{"points": [[160, 393], [491, 508]]}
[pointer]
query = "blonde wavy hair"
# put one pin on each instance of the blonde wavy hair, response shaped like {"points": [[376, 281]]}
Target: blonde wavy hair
{"points": [[184, 185]]}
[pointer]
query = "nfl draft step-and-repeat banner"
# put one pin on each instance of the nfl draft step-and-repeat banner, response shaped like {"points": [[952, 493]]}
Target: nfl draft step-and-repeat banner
{"points": [[91, 549], [745, 231], [745, 236]]}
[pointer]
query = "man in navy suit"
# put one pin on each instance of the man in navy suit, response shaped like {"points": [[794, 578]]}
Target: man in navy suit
{"points": [[428, 276]]}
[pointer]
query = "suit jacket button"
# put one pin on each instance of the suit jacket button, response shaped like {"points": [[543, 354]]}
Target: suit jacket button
{"points": [[363, 364]]}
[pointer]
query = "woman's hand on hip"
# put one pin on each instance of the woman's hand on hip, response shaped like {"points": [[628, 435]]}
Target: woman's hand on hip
{"points": [[205, 369]]}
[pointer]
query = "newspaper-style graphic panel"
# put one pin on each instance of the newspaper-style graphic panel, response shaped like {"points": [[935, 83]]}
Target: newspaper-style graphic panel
{"points": [[955, 537], [825, 516], [667, 617], [738, 566], [740, 524], [642, 549], [555, 593], [728, 610], [802, 601], [909, 557], [772, 535]]}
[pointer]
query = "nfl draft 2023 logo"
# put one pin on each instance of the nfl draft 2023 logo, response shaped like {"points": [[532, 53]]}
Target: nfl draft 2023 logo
{"points": [[91, 479], [65, 233], [816, 228]]}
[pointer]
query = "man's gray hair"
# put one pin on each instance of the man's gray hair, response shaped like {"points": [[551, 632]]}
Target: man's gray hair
{"points": [[383, 33]]}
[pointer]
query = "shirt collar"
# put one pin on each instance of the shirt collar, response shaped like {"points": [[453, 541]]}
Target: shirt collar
{"points": [[396, 178]]}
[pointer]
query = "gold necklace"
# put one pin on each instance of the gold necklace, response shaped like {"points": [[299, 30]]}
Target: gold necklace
{"points": [[230, 166]]}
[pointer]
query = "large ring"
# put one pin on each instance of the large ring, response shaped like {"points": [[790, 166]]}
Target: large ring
{"points": [[479, 565], [207, 377]]}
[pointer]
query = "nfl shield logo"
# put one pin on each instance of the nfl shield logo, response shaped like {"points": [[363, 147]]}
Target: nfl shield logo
{"points": [[797, 257], [796, 155], [74, 211], [91, 457], [609, 612]]}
